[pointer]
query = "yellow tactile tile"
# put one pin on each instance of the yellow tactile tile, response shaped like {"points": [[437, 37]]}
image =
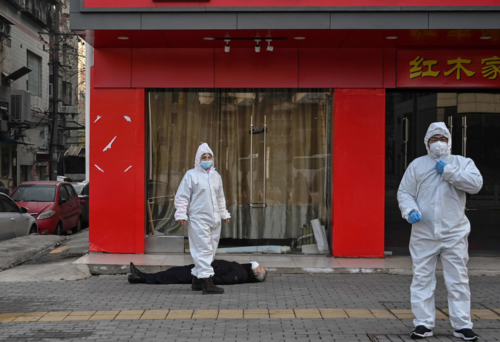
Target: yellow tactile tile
{"points": [[359, 313], [230, 314], [484, 314], [58, 313], [76, 318], [9, 317], [155, 314], [82, 313], [205, 314], [307, 313], [256, 313], [441, 315], [180, 314], [107, 312], [382, 314], [29, 317], [281, 313], [52, 318], [402, 313], [333, 313]]}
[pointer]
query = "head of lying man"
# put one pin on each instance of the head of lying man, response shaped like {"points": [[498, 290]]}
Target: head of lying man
{"points": [[259, 271]]}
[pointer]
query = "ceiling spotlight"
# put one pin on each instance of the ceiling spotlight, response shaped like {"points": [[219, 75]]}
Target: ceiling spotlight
{"points": [[485, 37], [391, 37], [123, 38], [209, 38], [257, 45], [269, 47], [227, 47], [299, 38]]}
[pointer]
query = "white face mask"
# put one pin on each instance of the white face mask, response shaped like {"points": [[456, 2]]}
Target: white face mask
{"points": [[438, 148]]}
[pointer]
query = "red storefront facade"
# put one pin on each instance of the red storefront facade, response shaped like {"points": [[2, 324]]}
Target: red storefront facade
{"points": [[358, 53]]}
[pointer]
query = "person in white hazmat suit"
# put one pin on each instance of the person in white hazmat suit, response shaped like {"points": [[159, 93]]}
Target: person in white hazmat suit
{"points": [[201, 203], [432, 198]]}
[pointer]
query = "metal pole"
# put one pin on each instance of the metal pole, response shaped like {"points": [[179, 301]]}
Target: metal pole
{"points": [[251, 160], [265, 162], [89, 62], [55, 96]]}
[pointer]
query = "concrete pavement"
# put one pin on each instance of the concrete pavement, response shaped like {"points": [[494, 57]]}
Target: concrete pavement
{"points": [[287, 307]]}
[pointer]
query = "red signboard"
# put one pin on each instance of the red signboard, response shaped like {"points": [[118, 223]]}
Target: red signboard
{"points": [[448, 69]]}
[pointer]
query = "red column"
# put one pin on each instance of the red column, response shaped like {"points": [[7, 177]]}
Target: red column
{"points": [[358, 172], [117, 182]]}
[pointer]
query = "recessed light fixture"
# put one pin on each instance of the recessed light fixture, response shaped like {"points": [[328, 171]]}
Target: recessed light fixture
{"points": [[299, 38], [123, 38], [209, 38], [485, 37], [391, 37]]}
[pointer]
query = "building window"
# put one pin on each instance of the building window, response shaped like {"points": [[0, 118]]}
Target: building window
{"points": [[34, 77], [67, 98]]}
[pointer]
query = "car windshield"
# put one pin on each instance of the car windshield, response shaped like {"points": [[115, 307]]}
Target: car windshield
{"points": [[34, 193], [78, 188]]}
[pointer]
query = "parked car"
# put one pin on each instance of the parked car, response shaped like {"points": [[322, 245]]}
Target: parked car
{"points": [[14, 221], [82, 190], [64, 179], [55, 205]]}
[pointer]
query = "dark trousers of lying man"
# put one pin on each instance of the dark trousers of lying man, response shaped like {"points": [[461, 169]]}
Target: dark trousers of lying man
{"points": [[226, 273]]}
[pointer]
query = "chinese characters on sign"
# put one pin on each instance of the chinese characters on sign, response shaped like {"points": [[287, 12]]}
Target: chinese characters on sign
{"points": [[448, 68]]}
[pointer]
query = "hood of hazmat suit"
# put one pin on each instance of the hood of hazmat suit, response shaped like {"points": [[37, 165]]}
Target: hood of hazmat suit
{"points": [[443, 229], [200, 200]]}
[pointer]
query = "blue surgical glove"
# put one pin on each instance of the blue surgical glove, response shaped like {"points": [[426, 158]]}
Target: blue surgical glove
{"points": [[414, 217], [440, 167]]}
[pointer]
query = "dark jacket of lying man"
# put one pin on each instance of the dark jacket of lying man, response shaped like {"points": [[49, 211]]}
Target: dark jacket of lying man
{"points": [[226, 273]]}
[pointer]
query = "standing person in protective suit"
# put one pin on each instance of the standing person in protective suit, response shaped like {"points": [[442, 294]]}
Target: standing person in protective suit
{"points": [[432, 198], [201, 204]]}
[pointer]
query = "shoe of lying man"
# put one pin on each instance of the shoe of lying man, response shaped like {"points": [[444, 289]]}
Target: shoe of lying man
{"points": [[421, 332]]}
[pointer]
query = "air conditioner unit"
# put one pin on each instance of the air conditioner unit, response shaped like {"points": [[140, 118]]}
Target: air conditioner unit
{"points": [[20, 105], [4, 28], [68, 109]]}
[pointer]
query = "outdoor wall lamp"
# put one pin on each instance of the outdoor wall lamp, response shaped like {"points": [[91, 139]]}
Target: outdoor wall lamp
{"points": [[257, 45], [227, 47], [269, 47]]}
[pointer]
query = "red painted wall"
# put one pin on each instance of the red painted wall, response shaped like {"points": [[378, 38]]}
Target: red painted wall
{"points": [[358, 172], [117, 174], [241, 68], [287, 3]]}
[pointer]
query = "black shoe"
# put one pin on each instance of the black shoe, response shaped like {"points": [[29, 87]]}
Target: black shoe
{"points": [[133, 279], [208, 287], [421, 332], [466, 334], [134, 270], [196, 284]]}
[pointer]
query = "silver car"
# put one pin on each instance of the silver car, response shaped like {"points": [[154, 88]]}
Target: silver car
{"points": [[14, 221]]}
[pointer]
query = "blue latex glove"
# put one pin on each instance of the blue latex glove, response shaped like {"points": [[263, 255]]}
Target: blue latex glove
{"points": [[440, 167], [414, 217]]}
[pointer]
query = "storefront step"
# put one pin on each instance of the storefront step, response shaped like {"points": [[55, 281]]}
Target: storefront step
{"points": [[111, 264]]}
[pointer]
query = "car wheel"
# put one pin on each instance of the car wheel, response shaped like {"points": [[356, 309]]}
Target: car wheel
{"points": [[33, 229], [59, 229], [78, 226]]}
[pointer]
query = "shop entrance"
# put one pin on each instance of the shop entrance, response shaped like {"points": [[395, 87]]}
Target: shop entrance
{"points": [[474, 122], [272, 150]]}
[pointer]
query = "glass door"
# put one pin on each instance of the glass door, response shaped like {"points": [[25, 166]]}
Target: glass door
{"points": [[271, 149]]}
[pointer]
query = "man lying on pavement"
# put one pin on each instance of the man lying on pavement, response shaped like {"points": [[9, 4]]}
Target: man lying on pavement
{"points": [[226, 273]]}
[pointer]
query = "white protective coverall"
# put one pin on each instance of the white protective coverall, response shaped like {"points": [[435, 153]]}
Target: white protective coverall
{"points": [[443, 230], [200, 200]]}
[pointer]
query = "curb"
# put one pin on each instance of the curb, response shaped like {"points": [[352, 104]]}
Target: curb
{"points": [[107, 269]]}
